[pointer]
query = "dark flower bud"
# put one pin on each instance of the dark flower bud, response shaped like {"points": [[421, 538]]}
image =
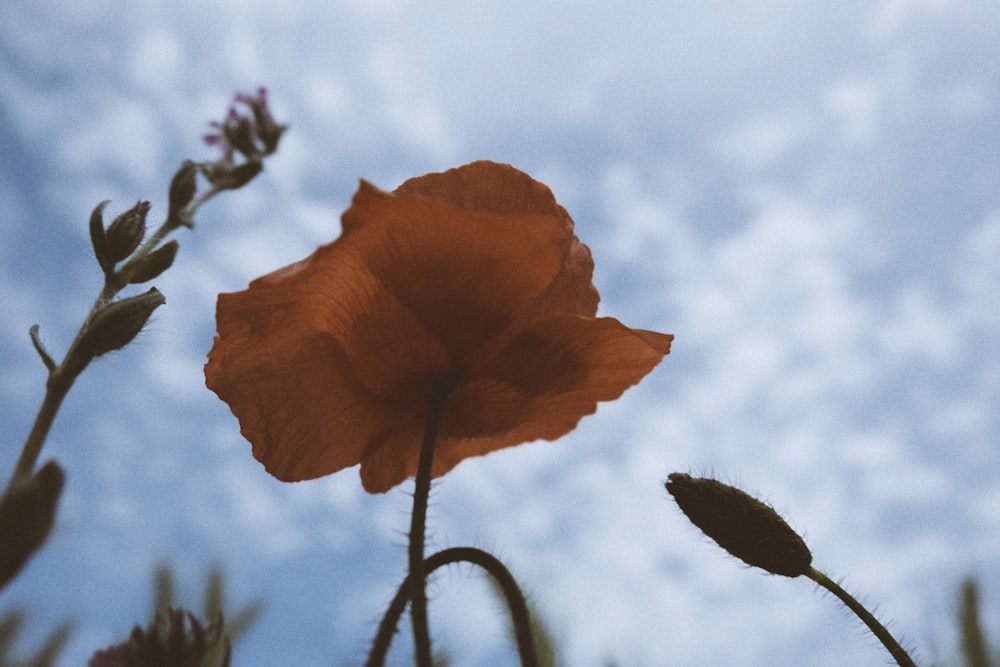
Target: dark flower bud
{"points": [[225, 176], [182, 190], [270, 134], [155, 263], [116, 324], [99, 239], [268, 131], [741, 524], [175, 638], [27, 511], [242, 134], [127, 231]]}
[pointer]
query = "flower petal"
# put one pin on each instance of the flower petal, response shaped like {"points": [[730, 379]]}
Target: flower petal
{"points": [[319, 364], [471, 278], [490, 187], [540, 387], [297, 398]]}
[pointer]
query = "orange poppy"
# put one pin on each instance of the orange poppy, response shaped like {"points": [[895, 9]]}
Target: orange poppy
{"points": [[471, 279]]}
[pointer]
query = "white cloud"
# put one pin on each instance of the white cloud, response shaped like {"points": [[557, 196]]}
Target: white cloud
{"points": [[714, 156], [760, 142]]}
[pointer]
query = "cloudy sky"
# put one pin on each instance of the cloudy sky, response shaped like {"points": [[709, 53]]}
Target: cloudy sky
{"points": [[807, 194]]}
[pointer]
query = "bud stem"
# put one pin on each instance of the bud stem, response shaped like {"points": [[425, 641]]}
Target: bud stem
{"points": [[62, 376], [901, 657], [56, 388]]}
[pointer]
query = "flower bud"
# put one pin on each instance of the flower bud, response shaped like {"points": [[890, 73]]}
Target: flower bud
{"points": [[741, 524], [27, 512], [116, 324], [99, 239], [241, 133], [127, 231], [182, 190], [155, 263], [224, 175]]}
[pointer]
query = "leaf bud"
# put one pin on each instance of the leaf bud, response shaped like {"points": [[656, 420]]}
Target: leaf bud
{"points": [[742, 525]]}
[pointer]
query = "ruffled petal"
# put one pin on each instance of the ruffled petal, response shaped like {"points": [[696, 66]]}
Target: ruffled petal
{"points": [[538, 388], [319, 363], [471, 278], [294, 392], [490, 187]]}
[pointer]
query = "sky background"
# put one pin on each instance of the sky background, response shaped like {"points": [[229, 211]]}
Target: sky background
{"points": [[806, 194]]}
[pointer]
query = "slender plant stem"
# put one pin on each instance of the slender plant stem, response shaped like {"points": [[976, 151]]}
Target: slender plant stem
{"points": [[62, 377], [512, 593], [418, 524], [901, 657], [55, 391]]}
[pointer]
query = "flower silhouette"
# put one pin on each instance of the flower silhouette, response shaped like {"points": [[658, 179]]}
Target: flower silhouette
{"points": [[468, 284]]}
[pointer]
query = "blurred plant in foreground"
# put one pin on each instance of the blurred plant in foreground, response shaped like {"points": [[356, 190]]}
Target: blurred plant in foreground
{"points": [[176, 637], [11, 623], [976, 651]]}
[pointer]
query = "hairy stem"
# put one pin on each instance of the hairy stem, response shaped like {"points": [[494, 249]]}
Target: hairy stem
{"points": [[901, 657], [512, 594], [61, 377], [418, 524]]}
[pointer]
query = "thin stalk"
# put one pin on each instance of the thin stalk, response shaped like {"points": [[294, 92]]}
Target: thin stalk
{"points": [[418, 524], [56, 389], [512, 594], [61, 377], [901, 657]]}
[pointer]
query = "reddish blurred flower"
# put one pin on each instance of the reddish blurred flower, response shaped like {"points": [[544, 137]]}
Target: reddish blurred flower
{"points": [[472, 279]]}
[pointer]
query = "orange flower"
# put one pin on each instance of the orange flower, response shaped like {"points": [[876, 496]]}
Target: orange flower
{"points": [[470, 279]]}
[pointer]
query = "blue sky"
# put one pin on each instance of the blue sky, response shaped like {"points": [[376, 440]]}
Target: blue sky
{"points": [[807, 195]]}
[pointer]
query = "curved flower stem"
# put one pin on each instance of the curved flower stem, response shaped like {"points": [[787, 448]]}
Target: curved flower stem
{"points": [[512, 593], [901, 657], [418, 522]]}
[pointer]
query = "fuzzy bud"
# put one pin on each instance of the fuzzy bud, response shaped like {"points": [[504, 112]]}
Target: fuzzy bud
{"points": [[226, 176], [126, 232], [742, 525], [116, 324], [155, 263]]}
